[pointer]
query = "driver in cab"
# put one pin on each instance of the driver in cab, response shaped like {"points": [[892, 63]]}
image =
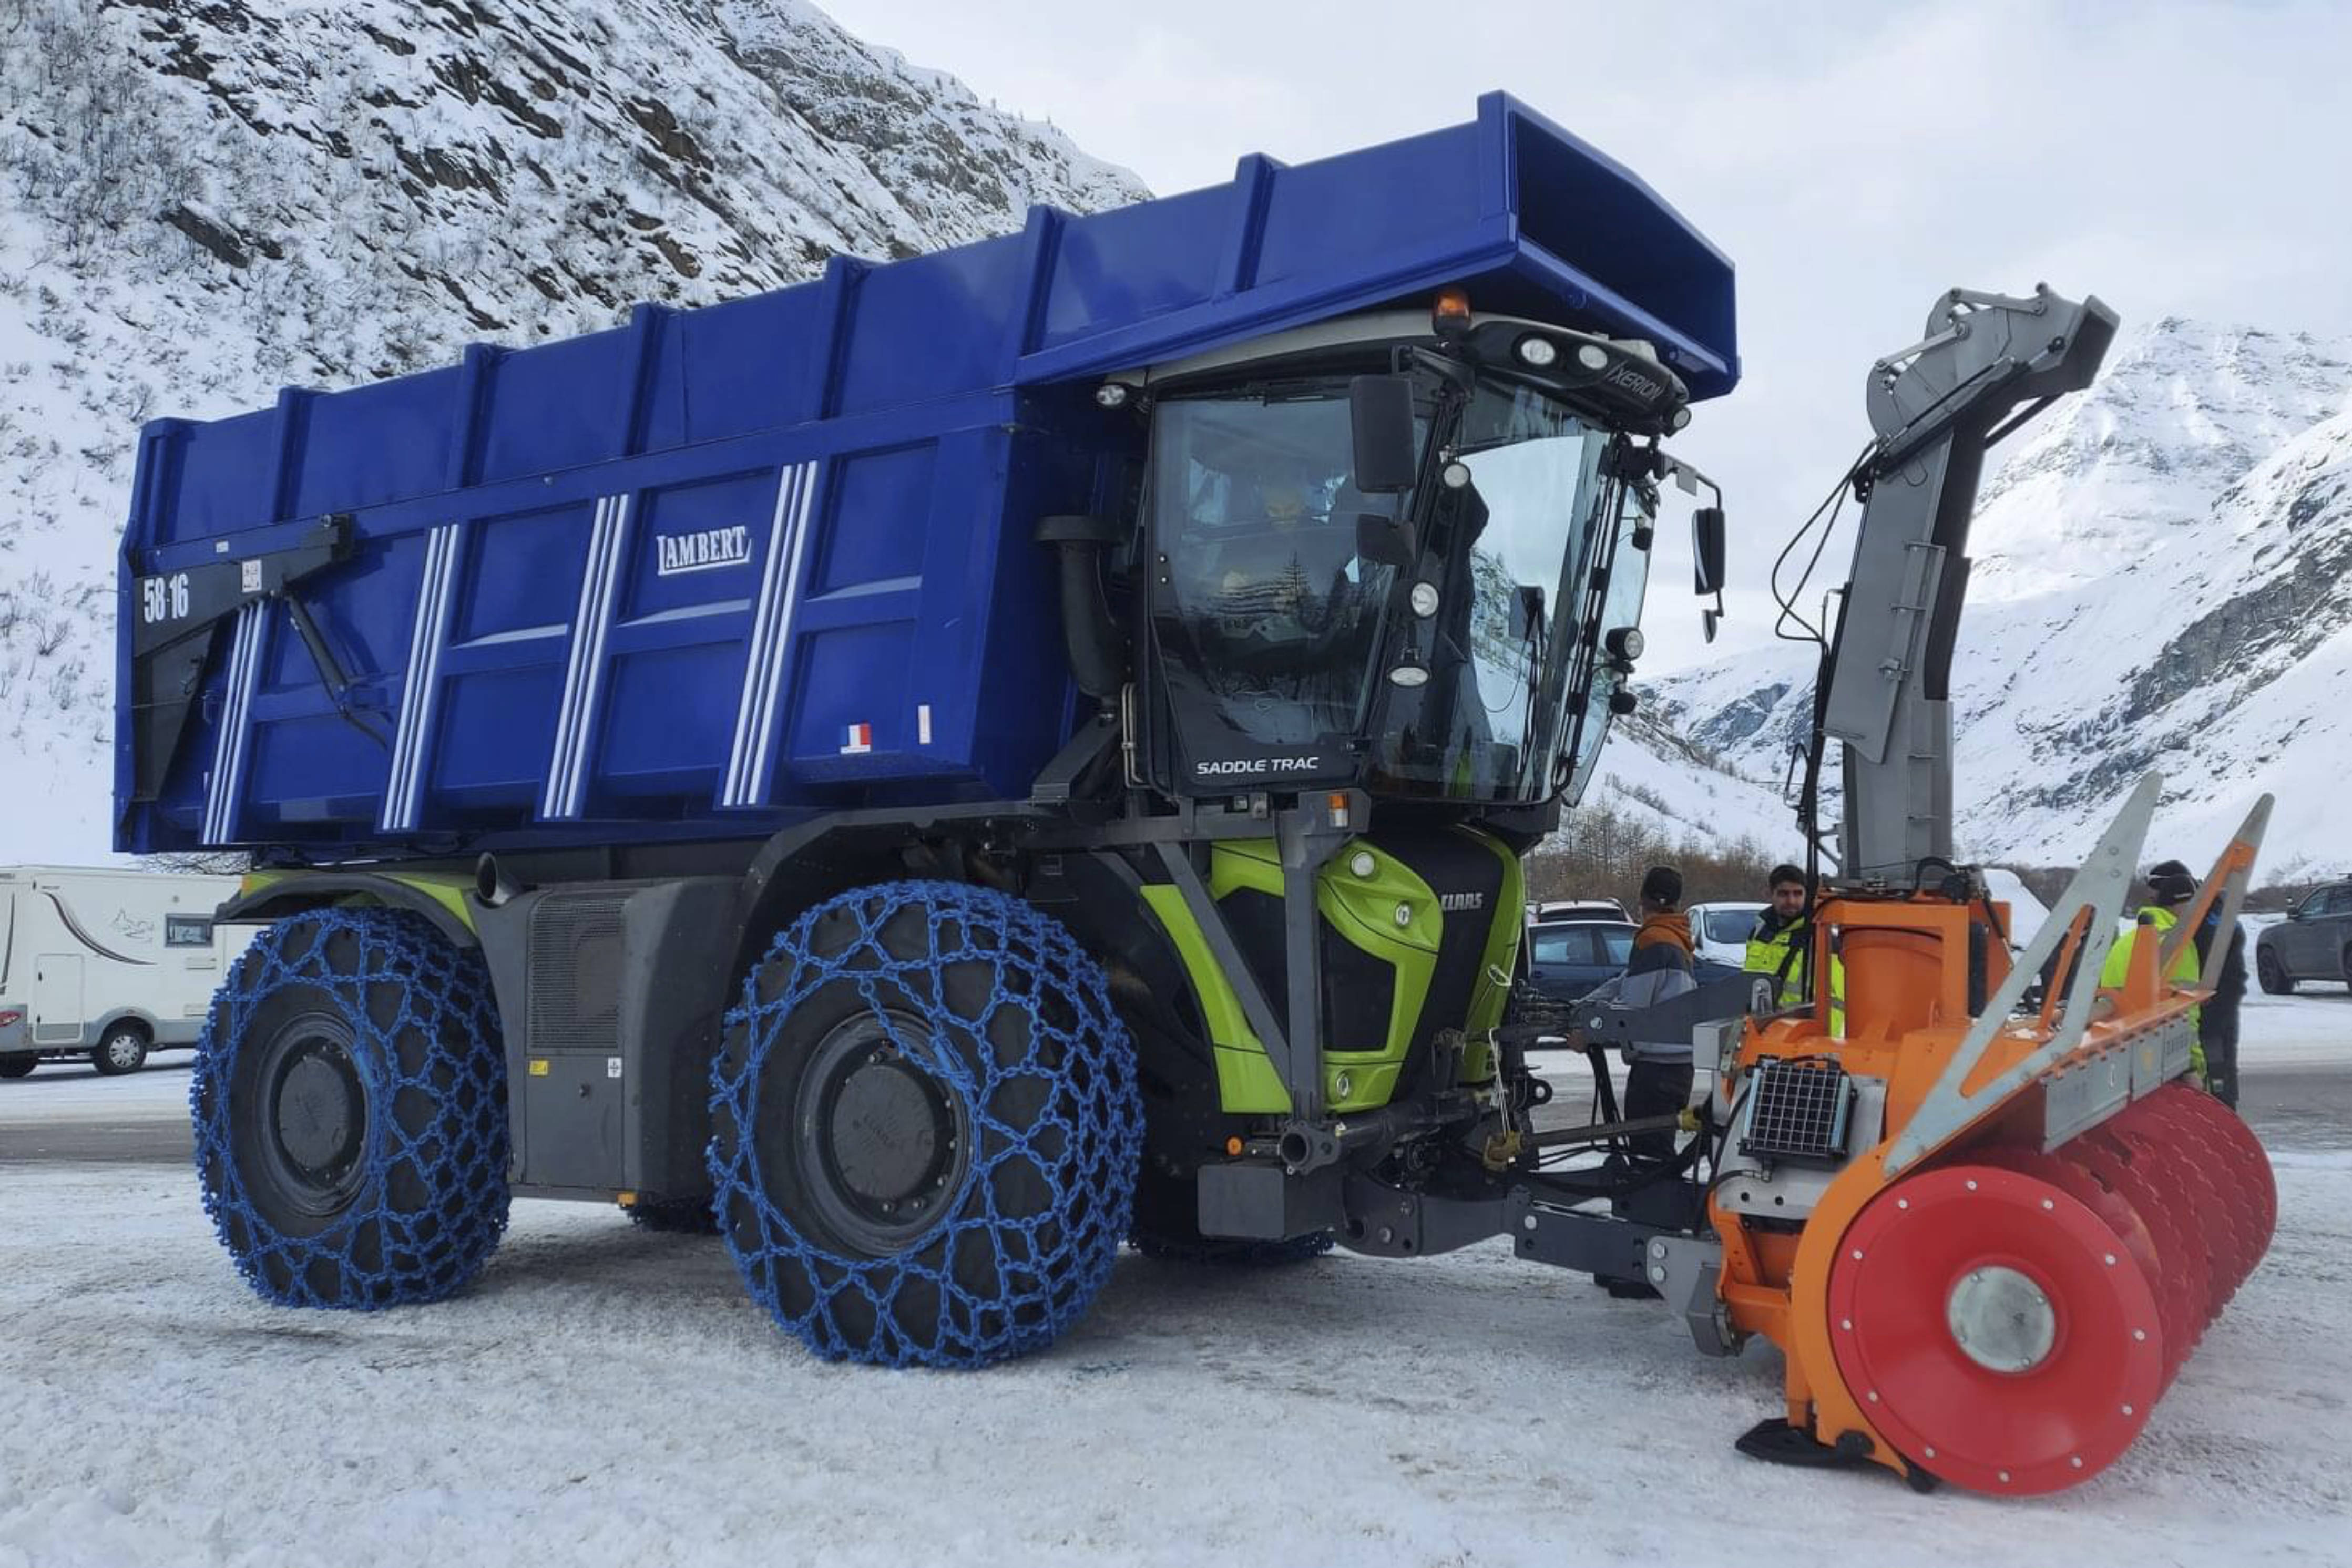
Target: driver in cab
{"points": [[1283, 584]]}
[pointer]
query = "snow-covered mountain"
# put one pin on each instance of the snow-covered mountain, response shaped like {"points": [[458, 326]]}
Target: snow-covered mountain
{"points": [[1661, 782], [2163, 580], [200, 203]]}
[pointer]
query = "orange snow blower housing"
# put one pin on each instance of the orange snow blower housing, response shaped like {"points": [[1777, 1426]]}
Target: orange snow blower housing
{"points": [[2038, 1217]]}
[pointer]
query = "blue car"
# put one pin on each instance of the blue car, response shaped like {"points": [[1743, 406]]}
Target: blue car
{"points": [[1567, 958]]}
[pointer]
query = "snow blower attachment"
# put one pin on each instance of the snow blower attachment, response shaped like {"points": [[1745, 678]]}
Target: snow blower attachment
{"points": [[1984, 1235], [1993, 1260], [947, 771]]}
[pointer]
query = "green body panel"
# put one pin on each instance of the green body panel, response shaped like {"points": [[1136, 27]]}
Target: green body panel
{"points": [[446, 890], [1363, 910], [1502, 956]]}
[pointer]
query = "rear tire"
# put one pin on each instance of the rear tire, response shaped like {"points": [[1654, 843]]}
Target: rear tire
{"points": [[350, 1112], [2272, 975], [927, 1127], [17, 1066], [123, 1050]]}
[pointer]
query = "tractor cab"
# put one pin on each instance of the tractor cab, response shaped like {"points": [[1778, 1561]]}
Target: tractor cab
{"points": [[1400, 553]]}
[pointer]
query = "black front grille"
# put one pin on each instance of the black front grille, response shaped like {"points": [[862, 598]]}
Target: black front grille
{"points": [[1359, 988], [575, 973], [1798, 1111]]}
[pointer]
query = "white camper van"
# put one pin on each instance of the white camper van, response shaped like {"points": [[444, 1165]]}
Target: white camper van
{"points": [[106, 966]]}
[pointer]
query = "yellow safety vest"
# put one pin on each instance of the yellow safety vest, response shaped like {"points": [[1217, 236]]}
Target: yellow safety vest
{"points": [[2186, 969], [1780, 954]]}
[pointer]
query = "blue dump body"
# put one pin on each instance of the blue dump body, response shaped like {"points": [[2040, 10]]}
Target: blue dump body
{"points": [[722, 567]]}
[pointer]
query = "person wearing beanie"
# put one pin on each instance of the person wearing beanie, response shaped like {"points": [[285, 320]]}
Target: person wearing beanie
{"points": [[1782, 946], [2172, 886], [1657, 1072], [1658, 1077], [2217, 1017]]}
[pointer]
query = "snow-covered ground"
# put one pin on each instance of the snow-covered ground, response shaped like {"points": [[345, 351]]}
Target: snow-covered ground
{"points": [[605, 1397]]}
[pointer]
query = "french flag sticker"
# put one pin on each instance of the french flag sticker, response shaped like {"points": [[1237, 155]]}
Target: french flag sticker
{"points": [[861, 739]]}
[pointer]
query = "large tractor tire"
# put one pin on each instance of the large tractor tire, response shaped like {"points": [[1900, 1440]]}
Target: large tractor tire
{"points": [[350, 1103], [18, 1066], [927, 1127]]}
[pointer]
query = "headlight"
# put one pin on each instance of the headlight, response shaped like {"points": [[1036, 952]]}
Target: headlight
{"points": [[1425, 598], [1540, 353]]}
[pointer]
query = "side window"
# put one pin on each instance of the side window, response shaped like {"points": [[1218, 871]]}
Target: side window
{"points": [[2335, 901], [187, 931]]}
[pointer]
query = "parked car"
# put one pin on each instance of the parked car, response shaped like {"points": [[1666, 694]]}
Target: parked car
{"points": [[2313, 943], [1720, 931], [1566, 958], [1578, 909], [105, 966]]}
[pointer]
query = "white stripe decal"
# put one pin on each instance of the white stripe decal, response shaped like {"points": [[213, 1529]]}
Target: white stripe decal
{"points": [[781, 645], [772, 575], [228, 752], [388, 819], [737, 788], [248, 681], [436, 641], [617, 551], [419, 694], [565, 720]]}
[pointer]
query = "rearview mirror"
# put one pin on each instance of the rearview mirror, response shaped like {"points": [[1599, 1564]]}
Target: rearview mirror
{"points": [[1708, 549], [1380, 409], [1386, 541]]}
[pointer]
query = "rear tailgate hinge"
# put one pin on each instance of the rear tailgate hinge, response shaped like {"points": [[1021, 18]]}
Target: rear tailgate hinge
{"points": [[177, 614]]}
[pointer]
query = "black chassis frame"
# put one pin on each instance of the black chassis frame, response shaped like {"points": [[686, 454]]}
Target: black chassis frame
{"points": [[630, 1114]]}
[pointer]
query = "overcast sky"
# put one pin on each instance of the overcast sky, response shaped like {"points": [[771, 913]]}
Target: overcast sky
{"points": [[1852, 162]]}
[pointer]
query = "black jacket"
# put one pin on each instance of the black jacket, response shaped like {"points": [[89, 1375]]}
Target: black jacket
{"points": [[2232, 986]]}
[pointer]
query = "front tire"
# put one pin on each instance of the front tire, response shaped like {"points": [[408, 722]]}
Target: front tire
{"points": [[123, 1050], [927, 1127], [2275, 981], [350, 1112]]}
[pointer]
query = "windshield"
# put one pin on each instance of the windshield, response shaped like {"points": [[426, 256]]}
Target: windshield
{"points": [[1612, 600], [1275, 636], [1518, 551], [1731, 925]]}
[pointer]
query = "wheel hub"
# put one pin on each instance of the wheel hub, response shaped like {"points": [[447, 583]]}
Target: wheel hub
{"points": [[316, 1142], [2000, 1319], [882, 1147], [889, 1128]]}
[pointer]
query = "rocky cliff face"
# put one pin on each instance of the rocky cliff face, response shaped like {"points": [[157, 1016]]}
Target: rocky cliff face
{"points": [[201, 201]]}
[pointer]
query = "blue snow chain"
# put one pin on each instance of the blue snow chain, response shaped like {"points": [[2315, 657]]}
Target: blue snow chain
{"points": [[926, 1127], [350, 1104]]}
